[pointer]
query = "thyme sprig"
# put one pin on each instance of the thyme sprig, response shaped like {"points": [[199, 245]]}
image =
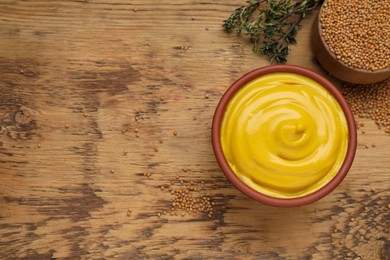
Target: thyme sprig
{"points": [[271, 24]]}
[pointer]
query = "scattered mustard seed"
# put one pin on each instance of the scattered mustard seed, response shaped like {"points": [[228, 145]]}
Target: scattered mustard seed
{"points": [[66, 126], [370, 101], [174, 133], [136, 130], [112, 171], [188, 198], [39, 145]]}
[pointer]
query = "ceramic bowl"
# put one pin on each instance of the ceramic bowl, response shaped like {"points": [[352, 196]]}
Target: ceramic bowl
{"points": [[254, 194], [338, 68]]}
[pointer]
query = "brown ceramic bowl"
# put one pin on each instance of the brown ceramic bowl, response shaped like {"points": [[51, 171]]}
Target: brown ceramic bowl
{"points": [[338, 68], [256, 195]]}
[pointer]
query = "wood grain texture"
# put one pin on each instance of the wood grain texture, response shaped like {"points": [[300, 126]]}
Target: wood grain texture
{"points": [[77, 77]]}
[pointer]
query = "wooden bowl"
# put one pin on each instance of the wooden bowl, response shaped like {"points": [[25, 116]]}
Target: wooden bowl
{"points": [[338, 68], [257, 195]]}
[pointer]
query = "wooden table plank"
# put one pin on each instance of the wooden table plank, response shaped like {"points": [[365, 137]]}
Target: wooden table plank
{"points": [[77, 79]]}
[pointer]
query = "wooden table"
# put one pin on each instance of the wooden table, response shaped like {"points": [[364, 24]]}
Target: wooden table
{"points": [[91, 94]]}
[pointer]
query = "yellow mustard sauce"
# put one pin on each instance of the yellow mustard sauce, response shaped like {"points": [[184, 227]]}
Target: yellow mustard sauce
{"points": [[284, 135]]}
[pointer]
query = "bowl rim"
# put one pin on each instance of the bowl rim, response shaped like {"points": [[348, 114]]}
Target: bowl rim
{"points": [[256, 195]]}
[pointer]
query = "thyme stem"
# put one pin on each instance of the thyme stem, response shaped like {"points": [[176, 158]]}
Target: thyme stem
{"points": [[274, 28]]}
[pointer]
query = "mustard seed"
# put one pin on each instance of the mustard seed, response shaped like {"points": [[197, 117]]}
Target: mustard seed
{"points": [[188, 200], [66, 126], [357, 32], [370, 101], [174, 133]]}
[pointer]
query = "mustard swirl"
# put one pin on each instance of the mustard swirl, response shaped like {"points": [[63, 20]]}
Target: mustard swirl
{"points": [[284, 135]]}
